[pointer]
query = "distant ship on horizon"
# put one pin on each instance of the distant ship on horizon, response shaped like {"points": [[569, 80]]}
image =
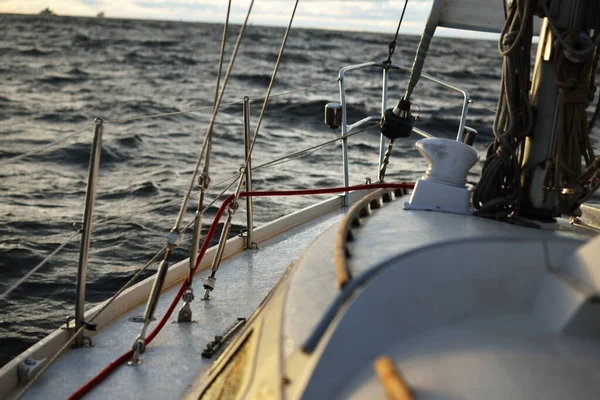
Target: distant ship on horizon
{"points": [[100, 14], [47, 11]]}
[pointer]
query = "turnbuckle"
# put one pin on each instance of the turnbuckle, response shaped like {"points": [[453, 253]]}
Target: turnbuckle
{"points": [[185, 312], [209, 285], [139, 347]]}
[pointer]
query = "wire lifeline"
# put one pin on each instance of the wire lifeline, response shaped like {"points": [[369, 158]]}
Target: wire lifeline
{"points": [[152, 116], [277, 161], [162, 206], [231, 103], [44, 147], [309, 150], [37, 267], [87, 387]]}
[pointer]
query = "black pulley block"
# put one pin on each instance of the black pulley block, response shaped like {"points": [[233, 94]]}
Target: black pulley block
{"points": [[397, 126]]}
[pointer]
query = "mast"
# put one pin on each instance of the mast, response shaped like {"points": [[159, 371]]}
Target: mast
{"points": [[541, 164], [562, 88]]}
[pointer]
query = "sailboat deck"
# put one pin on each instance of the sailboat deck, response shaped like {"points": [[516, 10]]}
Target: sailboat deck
{"points": [[477, 271], [173, 359]]}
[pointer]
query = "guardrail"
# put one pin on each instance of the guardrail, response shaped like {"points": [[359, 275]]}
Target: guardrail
{"points": [[386, 67]]}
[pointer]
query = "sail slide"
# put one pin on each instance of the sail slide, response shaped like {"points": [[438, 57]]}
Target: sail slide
{"points": [[475, 15]]}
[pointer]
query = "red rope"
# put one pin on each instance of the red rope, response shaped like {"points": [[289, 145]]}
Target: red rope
{"points": [[86, 388]]}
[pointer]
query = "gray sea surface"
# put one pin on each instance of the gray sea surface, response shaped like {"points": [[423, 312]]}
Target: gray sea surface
{"points": [[59, 73]]}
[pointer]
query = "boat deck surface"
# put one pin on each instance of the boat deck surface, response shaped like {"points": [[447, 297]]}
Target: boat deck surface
{"points": [[173, 359], [389, 232], [394, 252], [488, 310]]}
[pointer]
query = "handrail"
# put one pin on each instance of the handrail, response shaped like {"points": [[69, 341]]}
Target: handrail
{"points": [[346, 129], [386, 67]]}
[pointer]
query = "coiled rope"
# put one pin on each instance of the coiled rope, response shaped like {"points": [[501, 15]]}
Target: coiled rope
{"points": [[498, 191]]}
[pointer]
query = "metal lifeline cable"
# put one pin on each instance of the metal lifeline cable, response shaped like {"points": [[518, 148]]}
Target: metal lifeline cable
{"points": [[42, 148], [37, 267], [168, 114], [276, 161], [309, 150], [271, 163], [211, 280], [298, 90], [160, 207], [223, 105], [104, 223]]}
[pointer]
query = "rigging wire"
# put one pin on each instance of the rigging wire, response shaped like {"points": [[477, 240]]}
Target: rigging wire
{"points": [[209, 283], [37, 267], [212, 119], [392, 45], [309, 150], [44, 147], [387, 63]]}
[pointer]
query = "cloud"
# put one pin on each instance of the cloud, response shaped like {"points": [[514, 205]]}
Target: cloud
{"points": [[373, 15], [354, 15]]}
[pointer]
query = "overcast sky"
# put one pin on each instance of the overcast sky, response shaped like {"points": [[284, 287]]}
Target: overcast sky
{"points": [[356, 15]]}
